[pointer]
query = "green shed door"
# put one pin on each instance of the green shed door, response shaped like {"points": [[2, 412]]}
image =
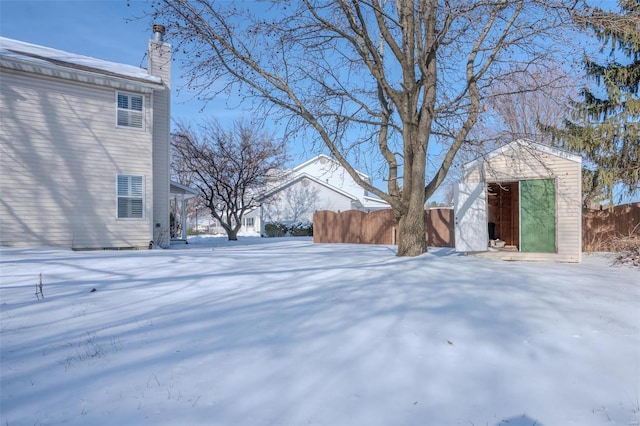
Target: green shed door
{"points": [[538, 216]]}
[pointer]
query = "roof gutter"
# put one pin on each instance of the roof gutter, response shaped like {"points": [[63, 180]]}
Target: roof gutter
{"points": [[80, 75]]}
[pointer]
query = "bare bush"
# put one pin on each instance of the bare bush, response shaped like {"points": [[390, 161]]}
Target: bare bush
{"points": [[627, 248]]}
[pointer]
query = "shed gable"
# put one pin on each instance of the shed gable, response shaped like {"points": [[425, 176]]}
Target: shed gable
{"points": [[521, 160]]}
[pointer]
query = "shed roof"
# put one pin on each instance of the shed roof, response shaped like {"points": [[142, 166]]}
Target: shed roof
{"points": [[526, 144]]}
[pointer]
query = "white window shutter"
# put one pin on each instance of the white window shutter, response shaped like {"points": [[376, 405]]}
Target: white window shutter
{"points": [[136, 186], [130, 192], [130, 110]]}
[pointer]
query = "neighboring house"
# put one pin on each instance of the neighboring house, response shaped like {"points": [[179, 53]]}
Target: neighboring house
{"points": [[522, 201], [321, 183], [84, 148]]}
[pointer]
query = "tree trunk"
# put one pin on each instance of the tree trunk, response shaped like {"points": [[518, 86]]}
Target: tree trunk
{"points": [[411, 238], [411, 229], [232, 234]]}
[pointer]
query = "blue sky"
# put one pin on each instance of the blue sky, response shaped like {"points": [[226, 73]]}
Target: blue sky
{"points": [[114, 30]]}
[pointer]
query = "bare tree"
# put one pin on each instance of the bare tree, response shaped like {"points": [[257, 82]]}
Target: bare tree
{"points": [[179, 174], [396, 75], [230, 167], [525, 104]]}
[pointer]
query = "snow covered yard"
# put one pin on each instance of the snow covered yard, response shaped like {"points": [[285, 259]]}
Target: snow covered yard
{"points": [[285, 332]]}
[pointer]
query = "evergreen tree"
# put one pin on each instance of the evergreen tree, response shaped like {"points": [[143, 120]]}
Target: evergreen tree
{"points": [[606, 124]]}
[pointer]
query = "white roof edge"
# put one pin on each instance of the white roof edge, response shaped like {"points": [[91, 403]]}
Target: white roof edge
{"points": [[527, 143], [308, 176], [65, 73], [48, 61], [333, 160], [369, 199], [184, 187], [309, 161]]}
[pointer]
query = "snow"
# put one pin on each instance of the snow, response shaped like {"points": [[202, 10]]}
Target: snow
{"points": [[286, 332], [26, 52]]}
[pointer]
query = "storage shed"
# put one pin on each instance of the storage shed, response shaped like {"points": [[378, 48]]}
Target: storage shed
{"points": [[521, 202]]}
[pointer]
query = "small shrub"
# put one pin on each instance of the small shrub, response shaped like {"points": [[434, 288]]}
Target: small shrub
{"points": [[301, 229], [275, 229]]}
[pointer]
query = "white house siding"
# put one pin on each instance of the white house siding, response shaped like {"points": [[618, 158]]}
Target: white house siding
{"points": [[278, 208], [331, 200], [60, 152], [160, 65], [523, 163], [333, 173]]}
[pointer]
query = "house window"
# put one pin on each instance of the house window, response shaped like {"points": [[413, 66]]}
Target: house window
{"points": [[248, 222], [130, 110], [130, 197]]}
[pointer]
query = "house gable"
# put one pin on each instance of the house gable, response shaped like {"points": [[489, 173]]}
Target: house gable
{"points": [[320, 183], [333, 173], [296, 199], [298, 179]]}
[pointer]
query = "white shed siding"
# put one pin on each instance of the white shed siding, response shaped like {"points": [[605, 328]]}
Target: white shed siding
{"points": [[60, 153], [522, 163]]}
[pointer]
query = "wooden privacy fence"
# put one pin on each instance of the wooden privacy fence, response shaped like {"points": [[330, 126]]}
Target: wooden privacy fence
{"points": [[379, 227], [599, 227]]}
